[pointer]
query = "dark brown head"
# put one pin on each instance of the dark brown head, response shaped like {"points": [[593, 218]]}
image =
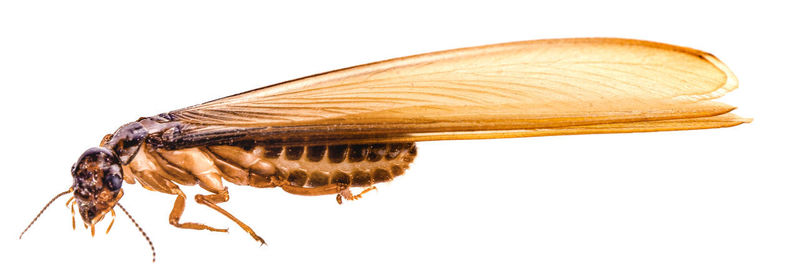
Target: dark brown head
{"points": [[97, 178], [97, 183]]}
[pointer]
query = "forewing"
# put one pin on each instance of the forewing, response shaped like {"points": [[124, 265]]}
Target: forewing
{"points": [[491, 90]]}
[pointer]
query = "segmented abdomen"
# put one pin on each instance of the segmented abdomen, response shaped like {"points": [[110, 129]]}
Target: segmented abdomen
{"points": [[316, 166], [351, 165], [306, 170]]}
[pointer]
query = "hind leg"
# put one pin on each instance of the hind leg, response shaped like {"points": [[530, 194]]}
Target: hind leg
{"points": [[348, 195]]}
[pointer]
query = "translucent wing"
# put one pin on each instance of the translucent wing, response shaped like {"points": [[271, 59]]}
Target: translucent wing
{"points": [[529, 88]]}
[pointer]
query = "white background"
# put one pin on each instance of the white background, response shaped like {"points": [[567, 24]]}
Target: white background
{"points": [[711, 202]]}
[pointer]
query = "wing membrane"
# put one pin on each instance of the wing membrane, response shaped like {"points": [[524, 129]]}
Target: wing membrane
{"points": [[527, 88]]}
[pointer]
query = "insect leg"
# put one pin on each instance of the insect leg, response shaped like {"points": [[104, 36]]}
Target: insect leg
{"points": [[145, 169], [156, 182], [213, 183], [200, 166], [348, 195], [371, 188]]}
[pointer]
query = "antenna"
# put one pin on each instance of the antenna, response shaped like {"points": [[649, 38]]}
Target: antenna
{"points": [[42, 211], [140, 230]]}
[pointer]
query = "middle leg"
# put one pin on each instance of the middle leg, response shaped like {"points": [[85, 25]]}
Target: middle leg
{"points": [[210, 180], [220, 196]]}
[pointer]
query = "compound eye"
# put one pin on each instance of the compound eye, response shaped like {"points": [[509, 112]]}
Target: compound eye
{"points": [[113, 181]]}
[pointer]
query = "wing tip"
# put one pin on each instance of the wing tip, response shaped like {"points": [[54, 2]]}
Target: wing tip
{"points": [[732, 82], [740, 120], [728, 119]]}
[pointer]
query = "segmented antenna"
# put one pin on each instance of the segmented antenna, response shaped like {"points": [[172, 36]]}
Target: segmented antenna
{"points": [[140, 230], [42, 211]]}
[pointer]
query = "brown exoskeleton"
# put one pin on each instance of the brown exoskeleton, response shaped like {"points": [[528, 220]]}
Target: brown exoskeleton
{"points": [[355, 127]]}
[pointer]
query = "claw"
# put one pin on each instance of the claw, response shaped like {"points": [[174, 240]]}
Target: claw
{"points": [[259, 239]]}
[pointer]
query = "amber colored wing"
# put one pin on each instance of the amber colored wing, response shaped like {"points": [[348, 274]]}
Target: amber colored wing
{"points": [[528, 88]]}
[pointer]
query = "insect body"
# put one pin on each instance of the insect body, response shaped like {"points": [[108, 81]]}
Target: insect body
{"points": [[355, 127]]}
